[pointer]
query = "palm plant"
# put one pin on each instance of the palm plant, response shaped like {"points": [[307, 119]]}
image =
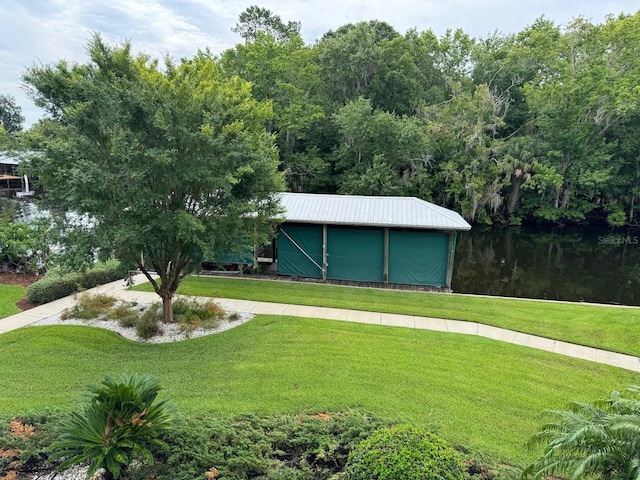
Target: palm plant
{"points": [[121, 422], [601, 439]]}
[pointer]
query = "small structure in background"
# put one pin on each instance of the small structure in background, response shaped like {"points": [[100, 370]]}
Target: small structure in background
{"points": [[386, 240], [11, 182]]}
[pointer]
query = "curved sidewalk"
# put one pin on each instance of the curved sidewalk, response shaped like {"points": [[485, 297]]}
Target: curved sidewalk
{"points": [[118, 289]]}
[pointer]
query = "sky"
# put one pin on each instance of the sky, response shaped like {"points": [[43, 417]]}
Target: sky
{"points": [[34, 32]]}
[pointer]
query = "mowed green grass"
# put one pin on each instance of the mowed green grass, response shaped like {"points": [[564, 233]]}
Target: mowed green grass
{"points": [[608, 327], [9, 295], [481, 394]]}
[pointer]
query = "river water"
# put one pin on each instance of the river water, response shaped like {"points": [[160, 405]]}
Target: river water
{"points": [[565, 264]]}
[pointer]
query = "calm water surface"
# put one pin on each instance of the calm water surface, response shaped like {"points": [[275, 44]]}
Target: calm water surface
{"points": [[600, 266]]}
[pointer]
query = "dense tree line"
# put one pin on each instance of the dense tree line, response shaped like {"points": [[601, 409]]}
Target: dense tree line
{"points": [[538, 126], [534, 127]]}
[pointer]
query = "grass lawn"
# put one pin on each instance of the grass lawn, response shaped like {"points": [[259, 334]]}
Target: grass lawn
{"points": [[9, 295], [482, 394], [611, 328]]}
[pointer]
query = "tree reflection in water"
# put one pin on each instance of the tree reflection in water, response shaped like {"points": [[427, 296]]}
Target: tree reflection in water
{"points": [[578, 265]]}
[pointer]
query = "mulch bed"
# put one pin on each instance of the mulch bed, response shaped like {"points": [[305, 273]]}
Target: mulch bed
{"points": [[23, 279]]}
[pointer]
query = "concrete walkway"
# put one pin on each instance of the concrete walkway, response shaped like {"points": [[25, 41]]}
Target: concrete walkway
{"points": [[118, 289]]}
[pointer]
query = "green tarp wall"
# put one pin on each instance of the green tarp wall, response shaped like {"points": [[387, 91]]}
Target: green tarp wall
{"points": [[355, 254], [418, 258], [291, 260]]}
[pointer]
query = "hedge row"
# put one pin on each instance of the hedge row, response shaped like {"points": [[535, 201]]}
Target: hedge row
{"points": [[324, 446], [57, 285]]}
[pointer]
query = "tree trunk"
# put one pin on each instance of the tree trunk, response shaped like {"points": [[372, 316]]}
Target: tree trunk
{"points": [[514, 195], [167, 307], [566, 197]]}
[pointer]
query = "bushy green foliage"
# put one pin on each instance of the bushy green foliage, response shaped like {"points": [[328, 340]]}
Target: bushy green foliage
{"points": [[90, 306], [102, 273], [57, 284], [283, 447], [24, 441], [14, 243], [120, 424], [191, 314], [23, 248], [7, 206], [155, 115], [617, 218], [11, 118], [125, 313], [53, 287], [404, 452], [148, 324], [277, 447], [592, 440]]}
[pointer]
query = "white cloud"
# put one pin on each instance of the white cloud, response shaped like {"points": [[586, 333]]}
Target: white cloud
{"points": [[160, 28]]}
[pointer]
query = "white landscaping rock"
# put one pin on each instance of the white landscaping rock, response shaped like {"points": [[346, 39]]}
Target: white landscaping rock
{"points": [[171, 331]]}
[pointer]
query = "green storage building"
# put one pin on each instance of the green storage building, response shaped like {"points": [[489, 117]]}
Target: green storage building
{"points": [[401, 240]]}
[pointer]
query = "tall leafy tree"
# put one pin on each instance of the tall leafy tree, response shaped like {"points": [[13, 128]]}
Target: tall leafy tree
{"points": [[11, 118], [170, 163], [622, 193], [469, 168], [257, 19], [376, 148], [425, 50], [622, 38], [578, 97], [286, 74], [519, 155], [500, 62], [397, 86], [350, 57], [454, 60]]}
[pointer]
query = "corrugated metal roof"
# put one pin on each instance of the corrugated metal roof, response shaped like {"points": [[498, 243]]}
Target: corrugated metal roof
{"points": [[400, 212], [9, 160]]}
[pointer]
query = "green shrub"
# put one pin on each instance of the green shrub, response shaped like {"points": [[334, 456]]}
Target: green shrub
{"points": [[53, 287], [24, 441], [23, 247], [617, 218], [278, 447], [102, 273], [126, 314], [284, 447], [56, 284], [89, 306], [191, 314], [404, 452], [148, 324]]}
